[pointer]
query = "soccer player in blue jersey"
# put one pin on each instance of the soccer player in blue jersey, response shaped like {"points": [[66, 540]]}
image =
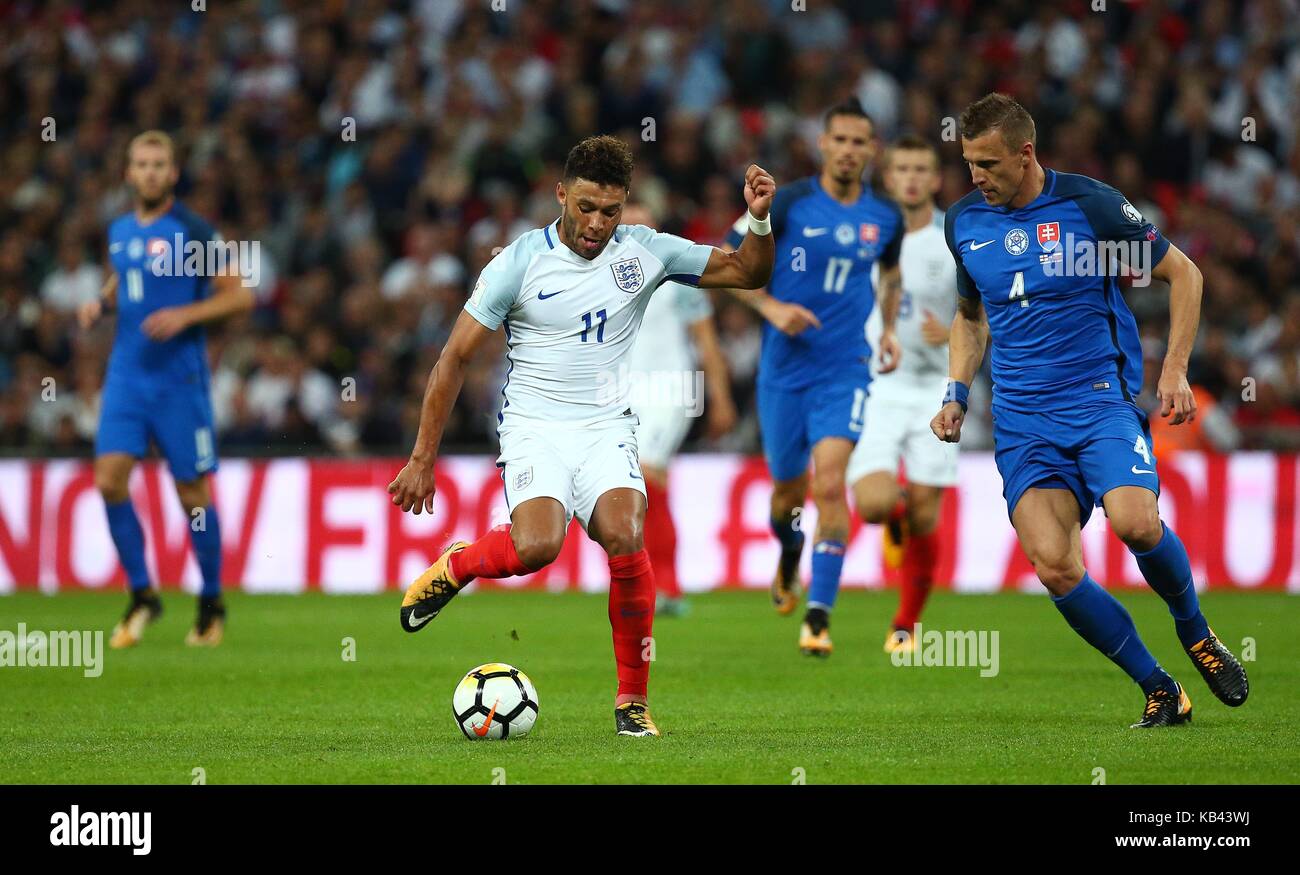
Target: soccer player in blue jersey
{"points": [[157, 382], [1035, 273], [814, 371]]}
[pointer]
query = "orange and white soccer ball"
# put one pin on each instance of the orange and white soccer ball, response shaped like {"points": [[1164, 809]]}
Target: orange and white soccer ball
{"points": [[494, 700]]}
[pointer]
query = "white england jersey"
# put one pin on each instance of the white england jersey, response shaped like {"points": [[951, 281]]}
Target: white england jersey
{"points": [[570, 323], [929, 283]]}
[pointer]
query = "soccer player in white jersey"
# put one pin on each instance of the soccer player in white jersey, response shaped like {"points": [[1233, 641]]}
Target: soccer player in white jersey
{"points": [[676, 333], [901, 403], [571, 297]]}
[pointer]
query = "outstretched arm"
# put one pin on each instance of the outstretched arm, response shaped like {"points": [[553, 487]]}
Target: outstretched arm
{"points": [[412, 489], [1184, 279], [749, 266], [786, 316]]}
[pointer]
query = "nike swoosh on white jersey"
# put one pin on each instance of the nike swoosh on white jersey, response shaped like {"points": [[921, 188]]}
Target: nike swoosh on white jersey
{"points": [[975, 246], [814, 232], [1137, 470]]}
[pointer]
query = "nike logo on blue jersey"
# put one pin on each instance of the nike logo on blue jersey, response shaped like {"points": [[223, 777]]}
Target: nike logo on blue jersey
{"points": [[543, 297], [814, 232], [1137, 470], [975, 246]]}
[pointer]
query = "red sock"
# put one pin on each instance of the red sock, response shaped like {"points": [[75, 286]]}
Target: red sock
{"points": [[492, 555], [631, 613], [917, 575], [661, 540]]}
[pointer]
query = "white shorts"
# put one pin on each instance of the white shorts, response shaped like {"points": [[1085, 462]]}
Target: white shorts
{"points": [[661, 432], [575, 466], [898, 427]]}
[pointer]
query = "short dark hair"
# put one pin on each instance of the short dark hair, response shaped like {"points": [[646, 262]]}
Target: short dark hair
{"points": [[849, 106], [1000, 112], [912, 143], [604, 160]]}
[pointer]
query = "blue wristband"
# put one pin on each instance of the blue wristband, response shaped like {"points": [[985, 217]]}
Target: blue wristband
{"points": [[958, 392]]}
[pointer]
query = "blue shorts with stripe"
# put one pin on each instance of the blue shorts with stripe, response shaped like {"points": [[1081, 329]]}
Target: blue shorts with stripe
{"points": [[178, 418], [1088, 450], [792, 421]]}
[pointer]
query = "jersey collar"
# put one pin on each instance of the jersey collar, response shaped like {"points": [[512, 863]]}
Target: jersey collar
{"points": [[559, 250]]}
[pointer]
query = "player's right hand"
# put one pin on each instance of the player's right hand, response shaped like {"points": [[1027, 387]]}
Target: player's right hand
{"points": [[760, 188], [789, 318], [89, 312], [946, 424], [413, 488]]}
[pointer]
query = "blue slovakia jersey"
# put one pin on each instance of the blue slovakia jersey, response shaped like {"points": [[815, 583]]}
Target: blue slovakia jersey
{"points": [[824, 254], [1061, 331], [150, 262]]}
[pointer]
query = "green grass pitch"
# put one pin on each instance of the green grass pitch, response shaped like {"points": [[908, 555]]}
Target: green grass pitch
{"points": [[277, 703]]}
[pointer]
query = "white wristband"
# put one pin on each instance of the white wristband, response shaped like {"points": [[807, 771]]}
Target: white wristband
{"points": [[761, 227]]}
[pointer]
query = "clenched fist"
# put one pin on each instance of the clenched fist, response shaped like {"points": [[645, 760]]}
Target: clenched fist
{"points": [[760, 188], [946, 424]]}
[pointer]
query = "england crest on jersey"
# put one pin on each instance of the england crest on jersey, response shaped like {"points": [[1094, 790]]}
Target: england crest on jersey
{"points": [[628, 275], [523, 478]]}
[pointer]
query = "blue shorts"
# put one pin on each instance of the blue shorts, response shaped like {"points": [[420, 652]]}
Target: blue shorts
{"points": [[178, 419], [794, 420], [1087, 450]]}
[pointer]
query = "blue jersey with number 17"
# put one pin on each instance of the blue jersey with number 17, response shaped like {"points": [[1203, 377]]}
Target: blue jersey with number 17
{"points": [[1061, 331], [824, 254]]}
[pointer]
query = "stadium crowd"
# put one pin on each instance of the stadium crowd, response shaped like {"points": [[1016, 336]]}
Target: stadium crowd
{"points": [[379, 151]]}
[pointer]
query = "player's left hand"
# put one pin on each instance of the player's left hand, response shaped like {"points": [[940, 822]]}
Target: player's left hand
{"points": [[891, 351], [760, 188], [1176, 397], [166, 323]]}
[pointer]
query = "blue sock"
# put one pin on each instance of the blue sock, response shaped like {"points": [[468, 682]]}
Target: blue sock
{"points": [[787, 531], [207, 549], [1103, 622], [1169, 572], [827, 562], [128, 537]]}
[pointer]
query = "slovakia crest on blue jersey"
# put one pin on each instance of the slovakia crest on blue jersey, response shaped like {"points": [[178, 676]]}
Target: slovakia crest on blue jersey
{"points": [[1016, 241], [628, 275]]}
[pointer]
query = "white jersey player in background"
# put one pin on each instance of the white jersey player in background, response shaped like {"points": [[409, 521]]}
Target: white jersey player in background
{"points": [[901, 403], [677, 335], [570, 297]]}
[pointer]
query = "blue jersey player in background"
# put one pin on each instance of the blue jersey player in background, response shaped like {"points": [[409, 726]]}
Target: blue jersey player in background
{"points": [[815, 366], [1034, 273], [156, 387]]}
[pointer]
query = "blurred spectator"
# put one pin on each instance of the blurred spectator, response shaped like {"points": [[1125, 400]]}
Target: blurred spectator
{"points": [[380, 154], [73, 281]]}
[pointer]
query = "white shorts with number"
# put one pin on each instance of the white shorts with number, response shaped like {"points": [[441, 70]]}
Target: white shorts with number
{"points": [[575, 466], [661, 432], [898, 428]]}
